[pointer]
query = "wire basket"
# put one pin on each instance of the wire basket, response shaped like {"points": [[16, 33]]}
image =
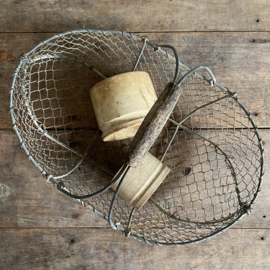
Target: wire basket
{"points": [[210, 142]]}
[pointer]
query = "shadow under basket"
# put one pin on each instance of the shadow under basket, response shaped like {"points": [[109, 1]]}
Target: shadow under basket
{"points": [[209, 143]]}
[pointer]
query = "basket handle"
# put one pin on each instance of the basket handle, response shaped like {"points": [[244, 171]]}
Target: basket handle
{"points": [[153, 123]]}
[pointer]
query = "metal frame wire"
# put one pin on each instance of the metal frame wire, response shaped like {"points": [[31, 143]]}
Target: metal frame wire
{"points": [[212, 81]]}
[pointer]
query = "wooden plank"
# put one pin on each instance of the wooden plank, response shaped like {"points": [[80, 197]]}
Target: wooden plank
{"points": [[15, 45], [108, 249], [26, 200], [238, 61], [231, 56], [151, 15]]}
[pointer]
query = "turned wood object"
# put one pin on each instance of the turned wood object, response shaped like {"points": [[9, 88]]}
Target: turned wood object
{"points": [[141, 182], [121, 102]]}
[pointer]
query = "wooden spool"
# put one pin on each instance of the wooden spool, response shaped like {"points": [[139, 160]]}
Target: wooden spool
{"points": [[141, 182], [121, 103]]}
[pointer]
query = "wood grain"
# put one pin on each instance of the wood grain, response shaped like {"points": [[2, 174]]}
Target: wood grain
{"points": [[240, 61], [41, 228], [107, 249], [232, 57], [17, 45], [150, 15], [26, 200]]}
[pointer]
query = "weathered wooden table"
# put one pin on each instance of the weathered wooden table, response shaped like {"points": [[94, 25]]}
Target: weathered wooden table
{"points": [[43, 229]]}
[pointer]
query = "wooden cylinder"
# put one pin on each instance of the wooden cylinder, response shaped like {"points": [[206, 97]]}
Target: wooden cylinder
{"points": [[141, 182], [121, 102]]}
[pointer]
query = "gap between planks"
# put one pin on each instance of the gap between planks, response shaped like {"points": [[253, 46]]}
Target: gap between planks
{"points": [[98, 228], [140, 32], [95, 129]]}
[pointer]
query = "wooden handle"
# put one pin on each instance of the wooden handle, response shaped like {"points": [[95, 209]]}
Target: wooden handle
{"points": [[153, 124]]}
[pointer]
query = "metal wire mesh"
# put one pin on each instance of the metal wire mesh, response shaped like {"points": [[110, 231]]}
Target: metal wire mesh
{"points": [[210, 142]]}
